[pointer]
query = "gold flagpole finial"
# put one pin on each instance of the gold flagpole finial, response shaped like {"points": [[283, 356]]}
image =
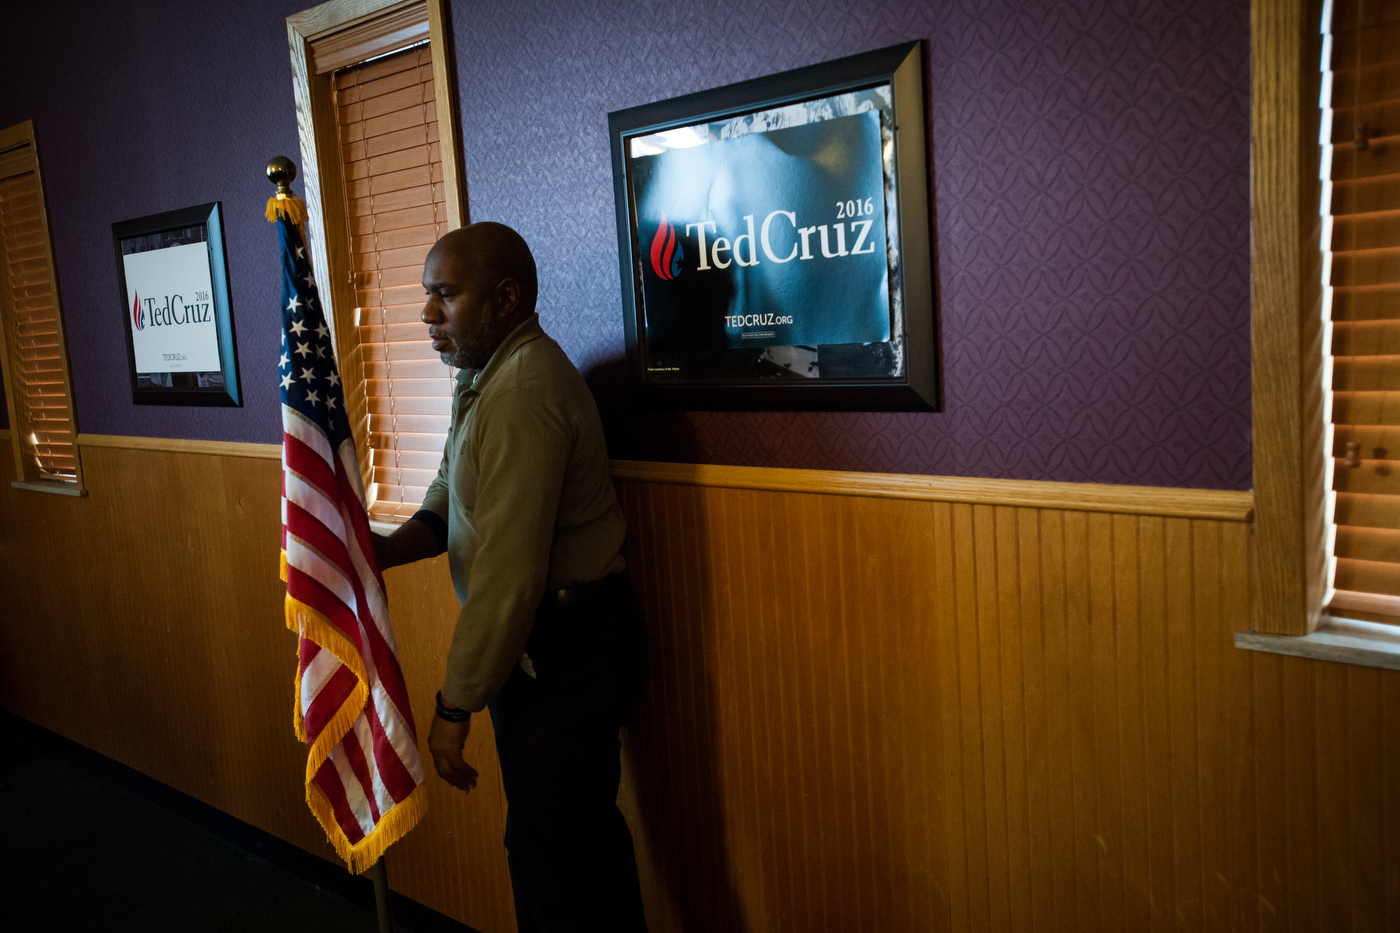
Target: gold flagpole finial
{"points": [[281, 171]]}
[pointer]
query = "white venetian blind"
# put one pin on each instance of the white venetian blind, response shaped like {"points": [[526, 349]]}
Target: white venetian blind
{"points": [[35, 358], [395, 206], [1361, 204]]}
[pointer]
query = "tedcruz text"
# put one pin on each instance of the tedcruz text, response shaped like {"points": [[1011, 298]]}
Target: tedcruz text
{"points": [[718, 253], [175, 311]]}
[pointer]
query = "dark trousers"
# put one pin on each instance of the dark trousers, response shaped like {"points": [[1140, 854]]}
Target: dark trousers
{"points": [[571, 860]]}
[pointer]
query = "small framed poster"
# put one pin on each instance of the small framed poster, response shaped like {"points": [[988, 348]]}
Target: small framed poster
{"points": [[774, 241], [173, 278]]}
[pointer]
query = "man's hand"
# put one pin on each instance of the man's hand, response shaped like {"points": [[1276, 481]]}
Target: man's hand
{"points": [[411, 541], [445, 741], [384, 550]]}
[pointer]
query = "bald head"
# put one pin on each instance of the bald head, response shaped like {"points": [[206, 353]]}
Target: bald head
{"points": [[489, 253], [481, 285]]}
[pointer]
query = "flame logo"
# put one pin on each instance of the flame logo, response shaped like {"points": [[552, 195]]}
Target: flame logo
{"points": [[666, 255], [136, 317]]}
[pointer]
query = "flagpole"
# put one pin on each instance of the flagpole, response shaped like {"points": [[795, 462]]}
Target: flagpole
{"points": [[381, 896], [281, 171]]}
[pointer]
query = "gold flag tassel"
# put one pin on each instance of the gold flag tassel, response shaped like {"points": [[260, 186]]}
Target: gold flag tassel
{"points": [[392, 826], [405, 814], [281, 171]]}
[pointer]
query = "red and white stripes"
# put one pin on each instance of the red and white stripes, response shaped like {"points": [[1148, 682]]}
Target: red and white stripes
{"points": [[363, 771]]}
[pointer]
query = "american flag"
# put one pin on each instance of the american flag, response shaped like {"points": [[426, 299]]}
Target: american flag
{"points": [[363, 773]]}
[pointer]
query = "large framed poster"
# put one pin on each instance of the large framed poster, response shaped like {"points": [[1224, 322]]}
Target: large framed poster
{"points": [[172, 273], [774, 241]]}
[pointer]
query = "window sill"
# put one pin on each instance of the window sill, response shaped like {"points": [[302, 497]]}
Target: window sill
{"points": [[1348, 641], [51, 486]]}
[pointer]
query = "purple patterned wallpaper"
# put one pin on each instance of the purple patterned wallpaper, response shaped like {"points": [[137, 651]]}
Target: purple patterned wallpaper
{"points": [[142, 108], [1091, 170]]}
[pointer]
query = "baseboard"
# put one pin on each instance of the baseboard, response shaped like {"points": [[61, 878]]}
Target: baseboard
{"points": [[409, 914]]}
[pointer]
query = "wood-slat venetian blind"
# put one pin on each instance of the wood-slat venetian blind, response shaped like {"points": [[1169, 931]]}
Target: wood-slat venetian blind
{"points": [[1361, 204], [395, 208], [39, 394]]}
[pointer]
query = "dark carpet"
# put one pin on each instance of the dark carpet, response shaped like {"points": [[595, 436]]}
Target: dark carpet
{"points": [[80, 852]]}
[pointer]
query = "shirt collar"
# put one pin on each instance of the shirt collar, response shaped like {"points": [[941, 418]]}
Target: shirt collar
{"points": [[524, 332]]}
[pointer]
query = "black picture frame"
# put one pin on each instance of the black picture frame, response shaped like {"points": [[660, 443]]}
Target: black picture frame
{"points": [[211, 385], [912, 382]]}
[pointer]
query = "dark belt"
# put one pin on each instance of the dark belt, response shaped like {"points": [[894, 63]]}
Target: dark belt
{"points": [[586, 592]]}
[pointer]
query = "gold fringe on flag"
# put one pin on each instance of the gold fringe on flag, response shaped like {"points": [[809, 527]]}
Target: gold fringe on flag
{"points": [[286, 205], [310, 624], [392, 826], [298, 723]]}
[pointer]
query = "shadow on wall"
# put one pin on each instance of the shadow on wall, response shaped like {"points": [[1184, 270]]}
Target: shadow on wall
{"points": [[633, 431], [671, 761]]}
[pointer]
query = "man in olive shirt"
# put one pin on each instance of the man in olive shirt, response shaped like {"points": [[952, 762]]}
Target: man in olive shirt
{"points": [[549, 636]]}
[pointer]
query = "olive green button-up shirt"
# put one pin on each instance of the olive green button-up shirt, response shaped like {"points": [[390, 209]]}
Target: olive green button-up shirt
{"points": [[525, 490]]}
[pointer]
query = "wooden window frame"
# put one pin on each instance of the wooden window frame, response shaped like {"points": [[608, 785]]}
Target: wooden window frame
{"points": [[1290, 566], [1290, 583], [320, 149], [12, 137]]}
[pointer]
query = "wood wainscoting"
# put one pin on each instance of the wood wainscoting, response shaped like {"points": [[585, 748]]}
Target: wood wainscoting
{"points": [[875, 703], [147, 624]]}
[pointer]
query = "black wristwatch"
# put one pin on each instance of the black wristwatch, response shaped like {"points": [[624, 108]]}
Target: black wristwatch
{"points": [[449, 713]]}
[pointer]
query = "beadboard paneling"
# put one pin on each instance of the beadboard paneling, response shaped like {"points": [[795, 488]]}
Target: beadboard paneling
{"points": [[865, 713], [147, 624], [869, 714]]}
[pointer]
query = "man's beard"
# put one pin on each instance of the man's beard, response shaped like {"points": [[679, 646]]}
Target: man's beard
{"points": [[474, 350]]}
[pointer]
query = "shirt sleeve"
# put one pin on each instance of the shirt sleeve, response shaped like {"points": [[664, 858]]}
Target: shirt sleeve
{"points": [[435, 500], [522, 445]]}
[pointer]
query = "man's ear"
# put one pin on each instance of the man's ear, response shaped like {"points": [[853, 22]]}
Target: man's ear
{"points": [[507, 298]]}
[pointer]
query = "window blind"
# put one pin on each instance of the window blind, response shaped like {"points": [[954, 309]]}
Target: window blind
{"points": [[396, 209], [41, 410], [396, 29], [1361, 207]]}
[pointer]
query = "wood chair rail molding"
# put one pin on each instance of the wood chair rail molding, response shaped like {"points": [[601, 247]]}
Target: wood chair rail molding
{"points": [[1220, 504], [181, 445]]}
